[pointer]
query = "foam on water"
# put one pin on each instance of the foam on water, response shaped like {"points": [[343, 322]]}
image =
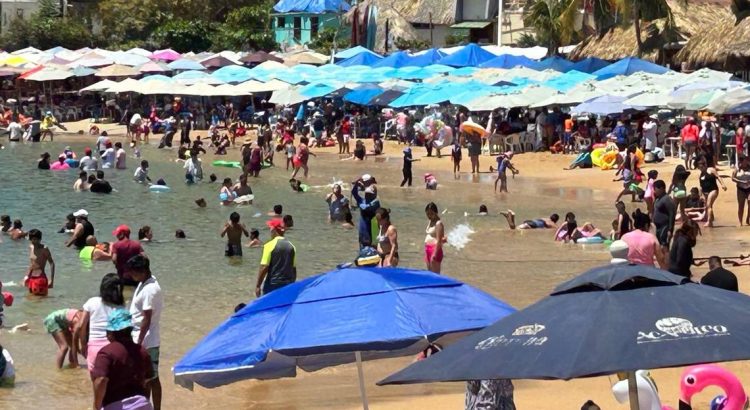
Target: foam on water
{"points": [[459, 236]]}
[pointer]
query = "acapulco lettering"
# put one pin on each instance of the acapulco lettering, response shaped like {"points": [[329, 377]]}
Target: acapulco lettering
{"points": [[523, 335], [674, 328]]}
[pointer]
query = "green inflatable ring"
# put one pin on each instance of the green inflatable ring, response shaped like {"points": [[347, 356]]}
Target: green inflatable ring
{"points": [[228, 164]]}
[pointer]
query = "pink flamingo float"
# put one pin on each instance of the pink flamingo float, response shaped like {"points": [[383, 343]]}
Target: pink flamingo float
{"points": [[693, 381]]}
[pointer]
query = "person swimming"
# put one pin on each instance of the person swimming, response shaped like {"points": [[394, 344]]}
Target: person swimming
{"points": [[180, 234], [254, 239], [538, 223], [145, 234]]}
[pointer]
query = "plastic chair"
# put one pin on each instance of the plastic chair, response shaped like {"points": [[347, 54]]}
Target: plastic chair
{"points": [[512, 141], [495, 144], [71, 113], [527, 142], [581, 142]]}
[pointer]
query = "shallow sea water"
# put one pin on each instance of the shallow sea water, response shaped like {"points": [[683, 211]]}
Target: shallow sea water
{"points": [[202, 286]]}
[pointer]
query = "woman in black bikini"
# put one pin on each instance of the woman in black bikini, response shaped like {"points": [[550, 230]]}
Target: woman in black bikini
{"points": [[708, 181]]}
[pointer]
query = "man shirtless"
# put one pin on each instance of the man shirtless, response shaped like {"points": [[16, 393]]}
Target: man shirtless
{"points": [[234, 230], [39, 258], [539, 223]]}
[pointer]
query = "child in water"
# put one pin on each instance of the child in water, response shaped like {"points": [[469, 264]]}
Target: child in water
{"points": [[296, 185], [430, 182], [234, 230], [226, 195], [504, 164], [291, 151], [40, 257], [254, 239], [60, 325]]}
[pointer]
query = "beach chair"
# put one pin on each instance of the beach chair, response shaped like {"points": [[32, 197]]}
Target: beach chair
{"points": [[495, 144], [513, 143], [527, 141]]}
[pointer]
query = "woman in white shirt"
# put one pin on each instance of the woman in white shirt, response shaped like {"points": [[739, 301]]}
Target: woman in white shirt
{"points": [[91, 330]]}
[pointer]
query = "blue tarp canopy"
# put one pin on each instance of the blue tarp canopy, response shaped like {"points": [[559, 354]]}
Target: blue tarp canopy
{"points": [[589, 65], [396, 60], [311, 6], [351, 52], [635, 317], [426, 58], [471, 55], [627, 66], [510, 61], [568, 80], [555, 63], [323, 320], [366, 59], [363, 94]]}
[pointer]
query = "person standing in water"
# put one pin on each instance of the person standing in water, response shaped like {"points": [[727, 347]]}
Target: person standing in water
{"points": [[303, 155], [387, 238], [234, 230], [39, 257], [120, 156], [503, 164], [407, 167], [434, 240], [278, 264], [367, 207], [83, 230], [337, 204]]}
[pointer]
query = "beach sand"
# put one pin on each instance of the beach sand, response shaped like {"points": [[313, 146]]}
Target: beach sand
{"points": [[337, 388]]}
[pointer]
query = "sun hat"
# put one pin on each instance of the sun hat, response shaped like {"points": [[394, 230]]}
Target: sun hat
{"points": [[366, 177], [61, 156], [119, 319], [276, 225], [81, 212], [121, 229], [654, 116]]}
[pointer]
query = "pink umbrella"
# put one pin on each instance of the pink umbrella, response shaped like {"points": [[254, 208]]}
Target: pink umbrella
{"points": [[166, 55]]}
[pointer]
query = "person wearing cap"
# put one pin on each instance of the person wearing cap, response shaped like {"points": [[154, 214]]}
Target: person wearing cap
{"points": [[367, 207], [48, 125], [278, 264], [146, 308], [122, 251], [121, 368], [88, 163], [689, 139], [60, 164], [108, 157], [83, 230]]}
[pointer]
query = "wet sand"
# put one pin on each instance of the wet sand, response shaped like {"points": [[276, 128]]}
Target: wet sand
{"points": [[518, 267]]}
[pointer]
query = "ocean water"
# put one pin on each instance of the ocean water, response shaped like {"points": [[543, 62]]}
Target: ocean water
{"points": [[202, 287]]}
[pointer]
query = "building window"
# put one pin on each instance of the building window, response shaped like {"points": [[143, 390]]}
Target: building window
{"points": [[421, 25], [297, 28], [314, 26], [280, 22], [19, 13]]}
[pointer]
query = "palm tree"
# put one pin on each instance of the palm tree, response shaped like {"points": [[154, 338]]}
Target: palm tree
{"points": [[544, 17]]}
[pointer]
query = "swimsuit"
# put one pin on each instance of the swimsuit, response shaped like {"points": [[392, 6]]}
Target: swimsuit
{"points": [[535, 223], [430, 246], [708, 182]]}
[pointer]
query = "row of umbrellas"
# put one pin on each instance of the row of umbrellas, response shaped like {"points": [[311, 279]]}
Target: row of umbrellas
{"points": [[617, 318]]}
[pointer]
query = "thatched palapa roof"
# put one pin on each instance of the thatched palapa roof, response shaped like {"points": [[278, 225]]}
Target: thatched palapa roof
{"points": [[719, 46], [690, 21]]}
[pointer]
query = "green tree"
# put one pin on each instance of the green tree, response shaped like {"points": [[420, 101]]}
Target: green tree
{"points": [[414, 45], [128, 21], [327, 39], [46, 29], [183, 36], [246, 28], [545, 17]]}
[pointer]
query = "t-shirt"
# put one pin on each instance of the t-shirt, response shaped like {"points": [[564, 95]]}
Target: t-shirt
{"points": [[147, 296], [98, 314], [59, 166], [664, 212], [140, 174], [101, 142], [121, 155], [108, 158], [73, 163], [721, 278], [649, 134], [689, 133], [336, 207], [136, 119], [89, 164], [281, 258], [681, 256], [568, 125], [127, 366], [100, 186], [641, 247], [125, 249], [15, 130]]}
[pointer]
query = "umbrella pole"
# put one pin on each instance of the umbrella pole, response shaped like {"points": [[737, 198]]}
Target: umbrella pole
{"points": [[361, 377], [633, 392]]}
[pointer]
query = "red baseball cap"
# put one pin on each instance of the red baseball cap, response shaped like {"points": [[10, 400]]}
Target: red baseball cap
{"points": [[87, 150], [121, 229], [276, 224]]}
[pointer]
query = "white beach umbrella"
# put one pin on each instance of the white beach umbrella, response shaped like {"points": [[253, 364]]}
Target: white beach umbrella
{"points": [[102, 85]]}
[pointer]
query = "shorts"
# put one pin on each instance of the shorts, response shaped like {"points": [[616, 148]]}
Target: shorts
{"points": [[130, 403], [474, 149], [743, 194], [92, 349], [429, 250], [347, 137], [269, 287], [54, 323], [662, 234], [153, 353], [566, 137], [535, 224], [233, 250], [679, 193], [38, 285], [690, 143]]}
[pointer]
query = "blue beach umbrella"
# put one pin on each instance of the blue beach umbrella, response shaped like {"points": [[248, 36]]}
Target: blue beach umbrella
{"points": [[510, 61], [338, 317], [470, 55], [425, 58], [396, 60], [589, 65], [616, 318], [385, 98], [363, 94], [627, 66], [555, 63], [233, 74], [185, 64], [568, 80], [351, 52], [365, 59]]}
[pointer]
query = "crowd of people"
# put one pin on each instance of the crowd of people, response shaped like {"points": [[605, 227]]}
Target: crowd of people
{"points": [[120, 341]]}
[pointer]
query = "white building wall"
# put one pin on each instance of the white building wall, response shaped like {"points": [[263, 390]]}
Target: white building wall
{"points": [[15, 9], [439, 32]]}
